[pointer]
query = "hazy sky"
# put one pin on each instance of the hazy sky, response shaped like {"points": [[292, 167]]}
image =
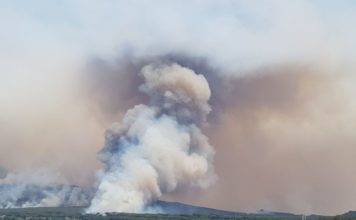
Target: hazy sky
{"points": [[292, 65]]}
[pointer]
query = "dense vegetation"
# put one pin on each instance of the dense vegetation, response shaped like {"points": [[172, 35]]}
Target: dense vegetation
{"points": [[76, 213]]}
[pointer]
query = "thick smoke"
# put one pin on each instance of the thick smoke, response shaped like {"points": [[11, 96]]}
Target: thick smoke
{"points": [[271, 130], [40, 189], [159, 147], [281, 76], [26, 195]]}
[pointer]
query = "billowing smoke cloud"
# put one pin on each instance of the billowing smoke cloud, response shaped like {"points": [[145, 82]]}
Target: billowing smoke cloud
{"points": [[27, 195], [41, 188], [159, 147], [281, 76], [270, 131]]}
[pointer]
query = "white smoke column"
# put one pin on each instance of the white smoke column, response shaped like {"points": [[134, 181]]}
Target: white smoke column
{"points": [[158, 148]]}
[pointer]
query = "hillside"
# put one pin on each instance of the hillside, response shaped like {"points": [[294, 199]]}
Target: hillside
{"points": [[175, 210]]}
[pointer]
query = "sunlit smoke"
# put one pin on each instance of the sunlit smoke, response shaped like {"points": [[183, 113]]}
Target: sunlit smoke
{"points": [[158, 147], [282, 82]]}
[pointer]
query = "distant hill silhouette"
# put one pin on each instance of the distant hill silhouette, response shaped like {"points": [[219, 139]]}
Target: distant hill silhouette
{"points": [[169, 210]]}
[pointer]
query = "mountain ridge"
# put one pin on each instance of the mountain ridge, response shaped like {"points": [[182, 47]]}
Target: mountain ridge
{"points": [[167, 210]]}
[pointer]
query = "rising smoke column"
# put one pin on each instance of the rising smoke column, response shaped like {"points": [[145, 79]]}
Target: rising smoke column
{"points": [[159, 147]]}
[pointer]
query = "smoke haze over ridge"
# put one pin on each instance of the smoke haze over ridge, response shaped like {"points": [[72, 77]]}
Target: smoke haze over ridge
{"points": [[281, 76]]}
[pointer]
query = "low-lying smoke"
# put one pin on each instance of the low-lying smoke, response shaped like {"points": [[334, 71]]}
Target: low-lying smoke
{"points": [[40, 189], [27, 195], [3, 172], [159, 147]]}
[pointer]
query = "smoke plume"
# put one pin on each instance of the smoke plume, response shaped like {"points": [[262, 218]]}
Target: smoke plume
{"points": [[158, 147], [281, 78], [41, 188], [270, 130]]}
